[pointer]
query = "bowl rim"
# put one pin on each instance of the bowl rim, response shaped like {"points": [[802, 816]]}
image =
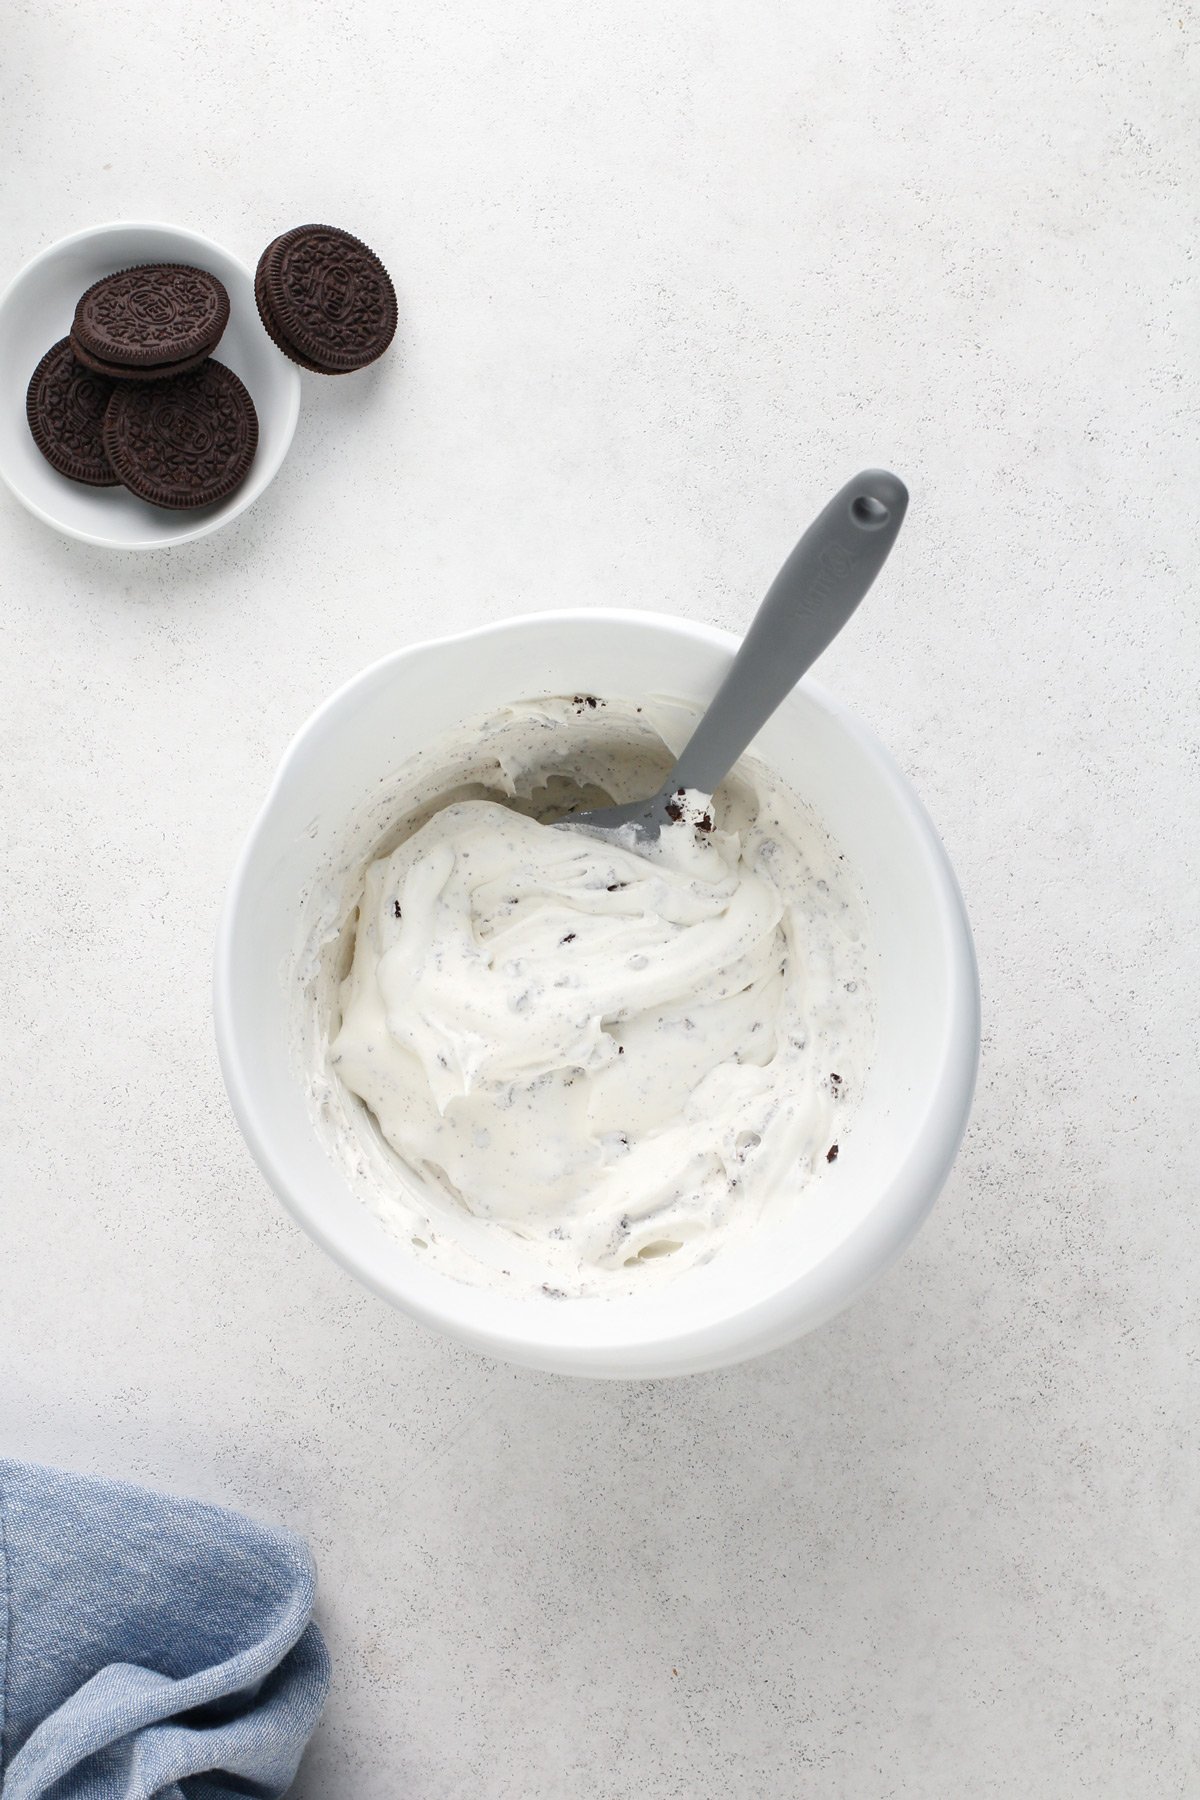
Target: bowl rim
{"points": [[765, 1322], [289, 418]]}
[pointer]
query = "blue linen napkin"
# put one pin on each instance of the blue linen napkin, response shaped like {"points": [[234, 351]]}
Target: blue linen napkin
{"points": [[150, 1648]]}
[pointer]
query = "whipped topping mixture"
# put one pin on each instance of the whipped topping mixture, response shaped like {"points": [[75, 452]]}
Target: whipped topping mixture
{"points": [[589, 1064]]}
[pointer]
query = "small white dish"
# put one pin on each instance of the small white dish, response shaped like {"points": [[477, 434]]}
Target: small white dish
{"points": [[36, 310], [845, 1230]]}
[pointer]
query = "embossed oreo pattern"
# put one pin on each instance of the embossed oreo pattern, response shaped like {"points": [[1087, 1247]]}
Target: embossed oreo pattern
{"points": [[183, 443], [268, 321], [329, 297], [155, 313], [65, 405]]}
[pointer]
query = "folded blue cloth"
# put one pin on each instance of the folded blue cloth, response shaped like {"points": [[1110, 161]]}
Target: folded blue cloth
{"points": [[150, 1648]]}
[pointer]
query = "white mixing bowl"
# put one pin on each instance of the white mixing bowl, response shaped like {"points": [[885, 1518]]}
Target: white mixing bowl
{"points": [[861, 1210]]}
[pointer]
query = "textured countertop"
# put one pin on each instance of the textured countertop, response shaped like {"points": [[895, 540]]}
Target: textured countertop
{"points": [[668, 274]]}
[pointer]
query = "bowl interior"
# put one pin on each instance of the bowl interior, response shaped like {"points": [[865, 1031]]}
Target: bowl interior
{"points": [[36, 310], [859, 1211]]}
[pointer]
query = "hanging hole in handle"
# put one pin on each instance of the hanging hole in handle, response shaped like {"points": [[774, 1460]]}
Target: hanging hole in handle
{"points": [[869, 512]]}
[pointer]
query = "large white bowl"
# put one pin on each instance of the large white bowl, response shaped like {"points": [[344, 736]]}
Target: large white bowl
{"points": [[860, 1212], [36, 310]]}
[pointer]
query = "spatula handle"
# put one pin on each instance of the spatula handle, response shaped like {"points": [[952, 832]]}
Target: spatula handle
{"points": [[807, 604]]}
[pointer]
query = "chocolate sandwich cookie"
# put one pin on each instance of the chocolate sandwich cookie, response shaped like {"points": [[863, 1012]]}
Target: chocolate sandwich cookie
{"points": [[65, 405], [264, 313], [325, 299], [182, 443], [146, 372], [153, 314]]}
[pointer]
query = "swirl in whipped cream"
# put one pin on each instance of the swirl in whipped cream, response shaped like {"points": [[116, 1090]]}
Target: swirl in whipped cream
{"points": [[594, 1064]]}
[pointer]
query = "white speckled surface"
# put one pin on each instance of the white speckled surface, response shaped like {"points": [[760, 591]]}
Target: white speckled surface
{"points": [[668, 273]]}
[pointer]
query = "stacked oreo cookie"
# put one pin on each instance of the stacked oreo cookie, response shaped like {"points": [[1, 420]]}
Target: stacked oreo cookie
{"points": [[325, 299], [133, 396], [150, 323]]}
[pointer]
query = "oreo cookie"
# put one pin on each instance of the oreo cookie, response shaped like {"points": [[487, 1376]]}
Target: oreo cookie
{"points": [[65, 404], [264, 313], [117, 372], [325, 299], [150, 315], [182, 443]]}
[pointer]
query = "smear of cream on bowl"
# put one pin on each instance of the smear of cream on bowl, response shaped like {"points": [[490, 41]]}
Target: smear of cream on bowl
{"points": [[554, 1062]]}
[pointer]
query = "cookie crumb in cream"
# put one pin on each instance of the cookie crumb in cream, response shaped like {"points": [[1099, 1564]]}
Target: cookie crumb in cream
{"points": [[586, 1064]]}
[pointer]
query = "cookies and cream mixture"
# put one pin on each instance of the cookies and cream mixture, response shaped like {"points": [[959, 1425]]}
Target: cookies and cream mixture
{"points": [[564, 1063]]}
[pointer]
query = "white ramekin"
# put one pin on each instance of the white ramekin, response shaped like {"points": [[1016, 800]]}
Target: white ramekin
{"points": [[861, 1211]]}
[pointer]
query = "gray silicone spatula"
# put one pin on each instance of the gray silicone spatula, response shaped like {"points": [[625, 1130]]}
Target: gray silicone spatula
{"points": [[806, 606]]}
